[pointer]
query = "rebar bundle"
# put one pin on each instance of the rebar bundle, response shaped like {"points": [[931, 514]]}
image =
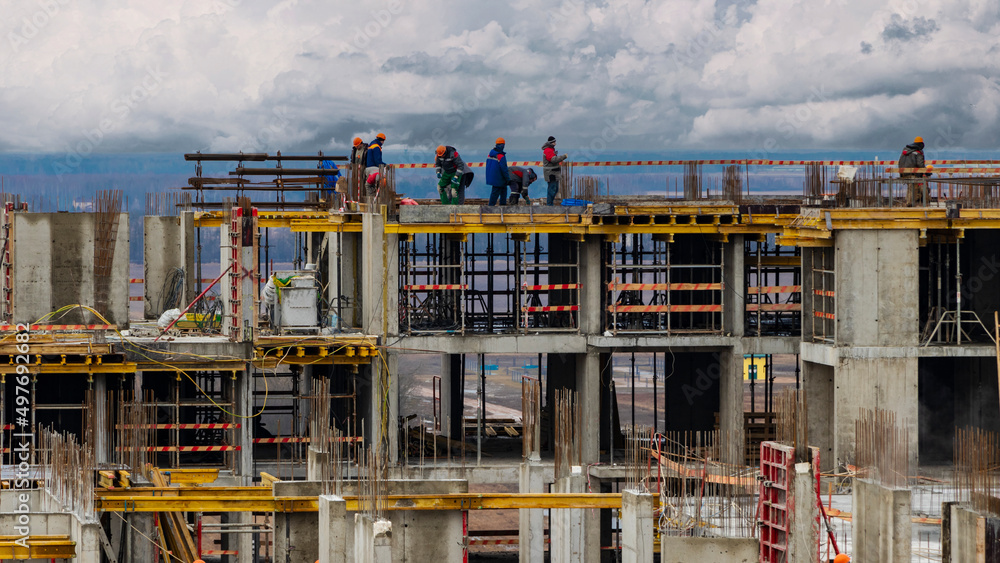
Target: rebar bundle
{"points": [[69, 471], [530, 413], [882, 447], [732, 184], [108, 206], [638, 440], [166, 204], [136, 432], [567, 428], [589, 187], [372, 484], [815, 182], [324, 440], [699, 494], [977, 469], [791, 422], [692, 181]]}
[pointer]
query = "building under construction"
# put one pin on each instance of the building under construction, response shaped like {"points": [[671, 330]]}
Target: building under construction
{"points": [[251, 406]]}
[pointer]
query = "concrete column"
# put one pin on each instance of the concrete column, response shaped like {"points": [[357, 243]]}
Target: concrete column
{"points": [[243, 470], [566, 526], [372, 540], [140, 530], [817, 383], [731, 396], [637, 527], [803, 515], [343, 289], [333, 529], [168, 244], [881, 528], [734, 310], [531, 521], [296, 534], [967, 535], [88, 542], [588, 387], [591, 292], [102, 451]]}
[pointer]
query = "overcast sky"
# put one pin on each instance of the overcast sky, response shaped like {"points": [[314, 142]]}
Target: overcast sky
{"points": [[301, 75]]}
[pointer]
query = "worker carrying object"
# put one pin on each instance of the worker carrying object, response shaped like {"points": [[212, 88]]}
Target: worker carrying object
{"points": [[551, 161], [497, 174], [520, 179], [913, 157], [453, 175]]}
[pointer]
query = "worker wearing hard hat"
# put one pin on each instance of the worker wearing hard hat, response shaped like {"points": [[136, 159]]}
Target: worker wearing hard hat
{"points": [[374, 164], [450, 169], [497, 175], [913, 157], [358, 149], [551, 161]]}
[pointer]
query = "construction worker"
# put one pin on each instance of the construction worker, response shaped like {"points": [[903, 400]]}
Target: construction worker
{"points": [[913, 157], [497, 174], [450, 168], [551, 161], [358, 151], [329, 182], [374, 164], [520, 179]]}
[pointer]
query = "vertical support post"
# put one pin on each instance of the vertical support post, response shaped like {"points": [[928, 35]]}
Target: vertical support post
{"points": [[332, 529], [637, 527]]}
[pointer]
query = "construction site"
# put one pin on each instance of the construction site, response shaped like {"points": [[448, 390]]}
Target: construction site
{"points": [[711, 371]]}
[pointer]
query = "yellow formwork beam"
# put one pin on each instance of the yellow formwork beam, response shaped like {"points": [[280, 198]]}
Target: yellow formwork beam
{"points": [[39, 547], [239, 499], [71, 368]]}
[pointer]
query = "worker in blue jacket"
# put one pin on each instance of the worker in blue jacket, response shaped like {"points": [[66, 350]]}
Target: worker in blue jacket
{"points": [[497, 174], [373, 163]]}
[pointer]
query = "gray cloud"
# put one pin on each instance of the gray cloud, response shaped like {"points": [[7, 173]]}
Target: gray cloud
{"points": [[908, 30]]}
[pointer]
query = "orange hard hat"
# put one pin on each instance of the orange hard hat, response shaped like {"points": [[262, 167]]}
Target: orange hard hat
{"points": [[918, 140], [380, 136], [930, 166], [440, 150], [500, 141], [357, 141], [842, 558]]}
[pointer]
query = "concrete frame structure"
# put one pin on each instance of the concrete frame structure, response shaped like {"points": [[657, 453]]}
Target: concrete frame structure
{"points": [[873, 357]]}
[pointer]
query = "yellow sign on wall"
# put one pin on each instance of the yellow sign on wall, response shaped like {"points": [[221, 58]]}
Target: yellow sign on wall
{"points": [[755, 366]]}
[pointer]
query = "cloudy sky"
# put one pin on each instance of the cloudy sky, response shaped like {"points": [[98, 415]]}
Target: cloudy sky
{"points": [[305, 75]]}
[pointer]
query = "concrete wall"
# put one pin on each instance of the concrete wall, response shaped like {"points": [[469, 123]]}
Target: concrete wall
{"points": [[967, 536], [817, 382], [167, 245], [54, 267], [877, 281], [880, 528], [723, 550], [637, 527]]}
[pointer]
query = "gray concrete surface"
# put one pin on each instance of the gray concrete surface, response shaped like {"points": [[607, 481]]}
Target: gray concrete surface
{"points": [[167, 245], [637, 527], [881, 528], [723, 550]]}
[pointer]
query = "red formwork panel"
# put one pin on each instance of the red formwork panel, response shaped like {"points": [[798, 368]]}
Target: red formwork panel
{"points": [[775, 506]]}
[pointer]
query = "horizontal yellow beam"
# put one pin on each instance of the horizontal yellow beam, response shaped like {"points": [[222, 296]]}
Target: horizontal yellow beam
{"points": [[39, 547], [242, 500], [71, 368]]}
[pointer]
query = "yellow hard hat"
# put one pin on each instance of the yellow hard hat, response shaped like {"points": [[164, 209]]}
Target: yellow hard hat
{"points": [[918, 140], [440, 150], [930, 167]]}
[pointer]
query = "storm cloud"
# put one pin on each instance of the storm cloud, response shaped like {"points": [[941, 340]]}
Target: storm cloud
{"points": [[307, 75]]}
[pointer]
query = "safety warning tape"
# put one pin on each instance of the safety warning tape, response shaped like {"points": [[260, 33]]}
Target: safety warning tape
{"points": [[439, 286], [550, 308], [551, 286], [513, 541], [774, 289], [774, 306], [302, 440], [12, 328], [824, 293], [142, 280], [665, 308], [823, 315], [141, 298], [220, 552], [189, 448], [663, 286]]}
